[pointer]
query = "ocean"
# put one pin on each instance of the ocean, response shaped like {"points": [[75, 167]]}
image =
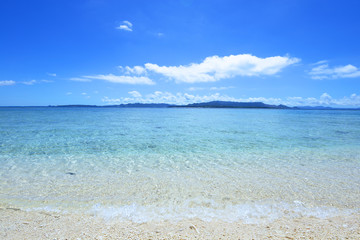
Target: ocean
{"points": [[155, 164]]}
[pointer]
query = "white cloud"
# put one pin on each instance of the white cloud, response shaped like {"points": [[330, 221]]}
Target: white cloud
{"points": [[123, 79], [184, 98], [126, 26], [220, 88], [323, 71], [324, 100], [196, 88], [320, 62], [108, 100], [128, 23], [84, 93], [137, 70], [7, 83], [211, 88], [32, 82], [47, 81], [80, 79], [135, 94], [68, 93], [210, 70], [215, 68], [52, 74]]}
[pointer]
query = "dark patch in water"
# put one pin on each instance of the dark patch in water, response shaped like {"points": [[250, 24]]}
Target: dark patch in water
{"points": [[71, 173], [311, 138], [341, 132]]}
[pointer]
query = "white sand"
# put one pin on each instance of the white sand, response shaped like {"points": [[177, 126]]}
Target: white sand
{"points": [[18, 224]]}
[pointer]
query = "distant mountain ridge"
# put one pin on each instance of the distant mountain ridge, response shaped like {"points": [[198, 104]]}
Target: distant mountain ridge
{"points": [[224, 104], [212, 104]]}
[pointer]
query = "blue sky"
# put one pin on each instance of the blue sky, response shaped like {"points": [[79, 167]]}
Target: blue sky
{"points": [[110, 52]]}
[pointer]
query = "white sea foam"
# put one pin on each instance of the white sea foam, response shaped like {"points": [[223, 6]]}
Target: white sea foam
{"points": [[250, 213], [49, 209]]}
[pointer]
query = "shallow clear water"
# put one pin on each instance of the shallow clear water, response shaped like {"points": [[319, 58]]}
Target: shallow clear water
{"points": [[155, 164]]}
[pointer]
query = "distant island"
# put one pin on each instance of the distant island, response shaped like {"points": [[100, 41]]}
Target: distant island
{"points": [[212, 104]]}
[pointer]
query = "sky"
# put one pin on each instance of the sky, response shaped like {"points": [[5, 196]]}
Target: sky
{"points": [[100, 52]]}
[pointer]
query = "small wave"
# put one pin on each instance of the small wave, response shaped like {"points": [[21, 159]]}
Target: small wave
{"points": [[251, 213]]}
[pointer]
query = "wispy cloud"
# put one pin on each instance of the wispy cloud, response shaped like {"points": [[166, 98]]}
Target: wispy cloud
{"points": [[7, 83], [85, 95], [46, 81], [51, 74], [323, 71], [137, 70], [221, 88], [123, 79], [193, 89], [76, 79], [68, 93], [185, 98], [126, 26], [31, 82], [320, 62], [211, 88]]}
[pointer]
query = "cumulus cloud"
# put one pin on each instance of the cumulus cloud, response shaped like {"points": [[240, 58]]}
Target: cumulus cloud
{"points": [[123, 79], [323, 71], [7, 83], [324, 100], [167, 97], [215, 68], [212, 69], [184, 98], [135, 94], [126, 26]]}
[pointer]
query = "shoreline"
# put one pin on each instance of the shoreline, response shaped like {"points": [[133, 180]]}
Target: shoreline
{"points": [[19, 224]]}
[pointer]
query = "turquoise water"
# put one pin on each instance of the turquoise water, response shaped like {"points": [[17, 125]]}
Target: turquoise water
{"points": [[171, 164]]}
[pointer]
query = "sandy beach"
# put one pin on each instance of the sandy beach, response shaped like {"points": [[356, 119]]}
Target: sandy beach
{"points": [[18, 224]]}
